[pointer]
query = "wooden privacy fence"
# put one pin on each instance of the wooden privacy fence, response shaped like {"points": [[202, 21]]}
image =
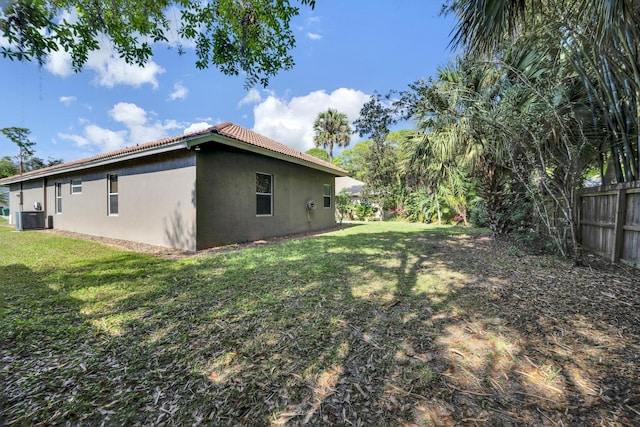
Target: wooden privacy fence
{"points": [[609, 221]]}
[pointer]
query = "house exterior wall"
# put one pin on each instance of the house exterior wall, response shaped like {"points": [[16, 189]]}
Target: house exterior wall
{"points": [[226, 189], [32, 192], [156, 201], [187, 199]]}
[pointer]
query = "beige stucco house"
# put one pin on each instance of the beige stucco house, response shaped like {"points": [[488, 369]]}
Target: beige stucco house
{"points": [[222, 185]]}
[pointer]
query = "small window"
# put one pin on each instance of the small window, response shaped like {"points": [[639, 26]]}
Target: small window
{"points": [[112, 182], [264, 194], [326, 193], [76, 186], [58, 197]]}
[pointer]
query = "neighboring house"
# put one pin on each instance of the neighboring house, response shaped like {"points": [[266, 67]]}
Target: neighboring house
{"points": [[4, 200], [354, 188], [351, 185], [222, 185]]}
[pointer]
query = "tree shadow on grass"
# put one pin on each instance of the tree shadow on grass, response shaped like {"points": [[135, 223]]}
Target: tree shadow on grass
{"points": [[352, 327], [38, 326]]}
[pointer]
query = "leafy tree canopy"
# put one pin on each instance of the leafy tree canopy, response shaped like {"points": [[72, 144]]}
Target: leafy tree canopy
{"points": [[33, 163], [353, 160], [594, 43], [318, 153], [376, 117], [7, 167], [235, 36]]}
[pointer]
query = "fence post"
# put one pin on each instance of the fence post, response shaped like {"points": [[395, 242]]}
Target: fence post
{"points": [[577, 217], [618, 232]]}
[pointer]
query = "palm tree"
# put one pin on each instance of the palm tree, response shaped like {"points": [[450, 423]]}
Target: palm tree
{"points": [[602, 47], [452, 148], [331, 128]]}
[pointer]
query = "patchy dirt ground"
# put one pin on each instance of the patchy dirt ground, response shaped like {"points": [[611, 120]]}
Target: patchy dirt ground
{"points": [[569, 346], [474, 332]]}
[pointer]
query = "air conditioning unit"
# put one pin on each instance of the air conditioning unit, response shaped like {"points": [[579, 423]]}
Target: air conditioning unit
{"points": [[29, 220]]}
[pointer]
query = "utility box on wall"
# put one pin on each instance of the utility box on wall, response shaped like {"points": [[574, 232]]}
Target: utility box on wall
{"points": [[29, 220]]}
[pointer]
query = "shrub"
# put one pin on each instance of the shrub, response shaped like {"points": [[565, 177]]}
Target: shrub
{"points": [[344, 205], [364, 210]]}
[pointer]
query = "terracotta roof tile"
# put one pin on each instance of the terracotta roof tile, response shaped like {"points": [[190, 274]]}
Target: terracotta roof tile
{"points": [[111, 154], [239, 133], [229, 130]]}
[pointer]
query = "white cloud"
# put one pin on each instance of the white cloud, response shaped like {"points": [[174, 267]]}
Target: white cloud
{"points": [[67, 100], [291, 121], [314, 36], [195, 127], [138, 129], [173, 15], [59, 63], [4, 42], [252, 97], [112, 70], [105, 139], [129, 114], [179, 92], [80, 141]]}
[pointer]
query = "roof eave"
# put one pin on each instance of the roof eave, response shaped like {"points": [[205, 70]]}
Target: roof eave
{"points": [[97, 163], [222, 139], [185, 143]]}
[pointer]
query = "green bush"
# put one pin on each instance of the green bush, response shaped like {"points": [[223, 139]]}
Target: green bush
{"points": [[478, 214], [344, 204], [364, 210]]}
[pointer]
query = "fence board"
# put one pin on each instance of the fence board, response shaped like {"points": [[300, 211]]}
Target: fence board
{"points": [[609, 222]]}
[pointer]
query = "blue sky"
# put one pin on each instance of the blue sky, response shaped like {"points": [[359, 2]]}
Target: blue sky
{"points": [[345, 51]]}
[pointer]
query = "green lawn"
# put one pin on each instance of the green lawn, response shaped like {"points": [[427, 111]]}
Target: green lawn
{"points": [[373, 324]]}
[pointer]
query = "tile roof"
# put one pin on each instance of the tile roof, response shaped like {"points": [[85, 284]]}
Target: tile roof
{"points": [[229, 130], [351, 185], [239, 133]]}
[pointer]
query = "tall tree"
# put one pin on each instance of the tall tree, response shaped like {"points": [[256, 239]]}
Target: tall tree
{"points": [[602, 47], [20, 137], [439, 158], [236, 36], [376, 117], [381, 172], [331, 128], [518, 125]]}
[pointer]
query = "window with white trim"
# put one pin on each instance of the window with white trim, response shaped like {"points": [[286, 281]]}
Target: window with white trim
{"points": [[326, 195], [76, 186], [112, 183], [264, 194], [58, 197]]}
